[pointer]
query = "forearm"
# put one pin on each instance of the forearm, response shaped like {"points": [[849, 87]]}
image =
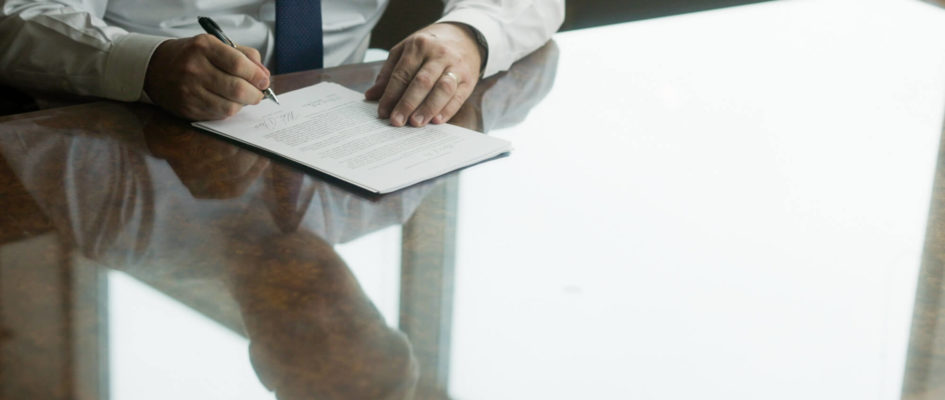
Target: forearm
{"points": [[66, 46], [511, 28]]}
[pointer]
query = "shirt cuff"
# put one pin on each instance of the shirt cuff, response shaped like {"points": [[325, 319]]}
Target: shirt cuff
{"points": [[498, 58], [127, 64]]}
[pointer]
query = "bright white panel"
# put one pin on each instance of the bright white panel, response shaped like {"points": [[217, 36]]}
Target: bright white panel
{"points": [[723, 205]]}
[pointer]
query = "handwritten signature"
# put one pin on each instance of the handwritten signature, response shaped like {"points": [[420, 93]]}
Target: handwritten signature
{"points": [[276, 121]]}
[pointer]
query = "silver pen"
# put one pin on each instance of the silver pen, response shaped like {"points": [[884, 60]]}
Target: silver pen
{"points": [[212, 28]]}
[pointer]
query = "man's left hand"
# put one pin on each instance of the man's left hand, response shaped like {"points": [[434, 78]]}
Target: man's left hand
{"points": [[428, 75]]}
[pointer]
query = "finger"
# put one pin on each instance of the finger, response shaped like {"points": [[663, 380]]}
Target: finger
{"points": [[453, 106], [417, 92], [375, 92], [232, 88], [439, 96], [401, 76], [254, 56], [234, 62]]}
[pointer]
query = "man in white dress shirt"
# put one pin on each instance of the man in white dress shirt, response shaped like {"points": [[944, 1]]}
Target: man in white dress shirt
{"points": [[147, 50]]}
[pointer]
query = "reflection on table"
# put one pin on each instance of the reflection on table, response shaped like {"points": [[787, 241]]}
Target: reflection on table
{"points": [[725, 205], [246, 240]]}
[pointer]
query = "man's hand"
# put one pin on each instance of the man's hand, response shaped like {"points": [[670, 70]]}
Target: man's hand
{"points": [[428, 75], [201, 78]]}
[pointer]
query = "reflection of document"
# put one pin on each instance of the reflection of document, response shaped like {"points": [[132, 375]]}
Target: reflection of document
{"points": [[332, 129]]}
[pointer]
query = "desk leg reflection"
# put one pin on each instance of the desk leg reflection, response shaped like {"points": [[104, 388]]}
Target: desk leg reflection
{"points": [[54, 339], [53, 319], [924, 377], [426, 286]]}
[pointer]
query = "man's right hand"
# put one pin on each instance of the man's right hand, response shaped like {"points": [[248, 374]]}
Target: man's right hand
{"points": [[201, 78]]}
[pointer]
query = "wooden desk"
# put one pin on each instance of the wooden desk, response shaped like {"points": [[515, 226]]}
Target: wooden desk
{"points": [[737, 204], [106, 192]]}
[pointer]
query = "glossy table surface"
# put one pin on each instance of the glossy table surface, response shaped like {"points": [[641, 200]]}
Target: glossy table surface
{"points": [[744, 203]]}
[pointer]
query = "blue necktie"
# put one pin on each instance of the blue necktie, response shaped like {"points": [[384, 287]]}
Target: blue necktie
{"points": [[298, 35]]}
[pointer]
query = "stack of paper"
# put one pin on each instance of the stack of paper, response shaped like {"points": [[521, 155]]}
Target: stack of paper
{"points": [[332, 129]]}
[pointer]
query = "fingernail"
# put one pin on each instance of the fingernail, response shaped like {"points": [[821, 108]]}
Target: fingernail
{"points": [[397, 120], [417, 119], [262, 84], [439, 119]]}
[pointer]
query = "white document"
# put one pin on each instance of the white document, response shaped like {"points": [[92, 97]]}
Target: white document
{"points": [[332, 129]]}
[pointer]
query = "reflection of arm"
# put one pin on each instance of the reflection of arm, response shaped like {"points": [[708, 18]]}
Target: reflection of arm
{"points": [[96, 192], [66, 46], [511, 28], [507, 100]]}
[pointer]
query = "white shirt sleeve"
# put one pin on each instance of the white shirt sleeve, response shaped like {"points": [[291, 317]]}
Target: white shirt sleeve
{"points": [[66, 46], [511, 28]]}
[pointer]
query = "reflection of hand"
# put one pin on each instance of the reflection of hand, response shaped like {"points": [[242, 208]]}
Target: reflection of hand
{"points": [[209, 167], [428, 75], [297, 201], [201, 78], [313, 332]]}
